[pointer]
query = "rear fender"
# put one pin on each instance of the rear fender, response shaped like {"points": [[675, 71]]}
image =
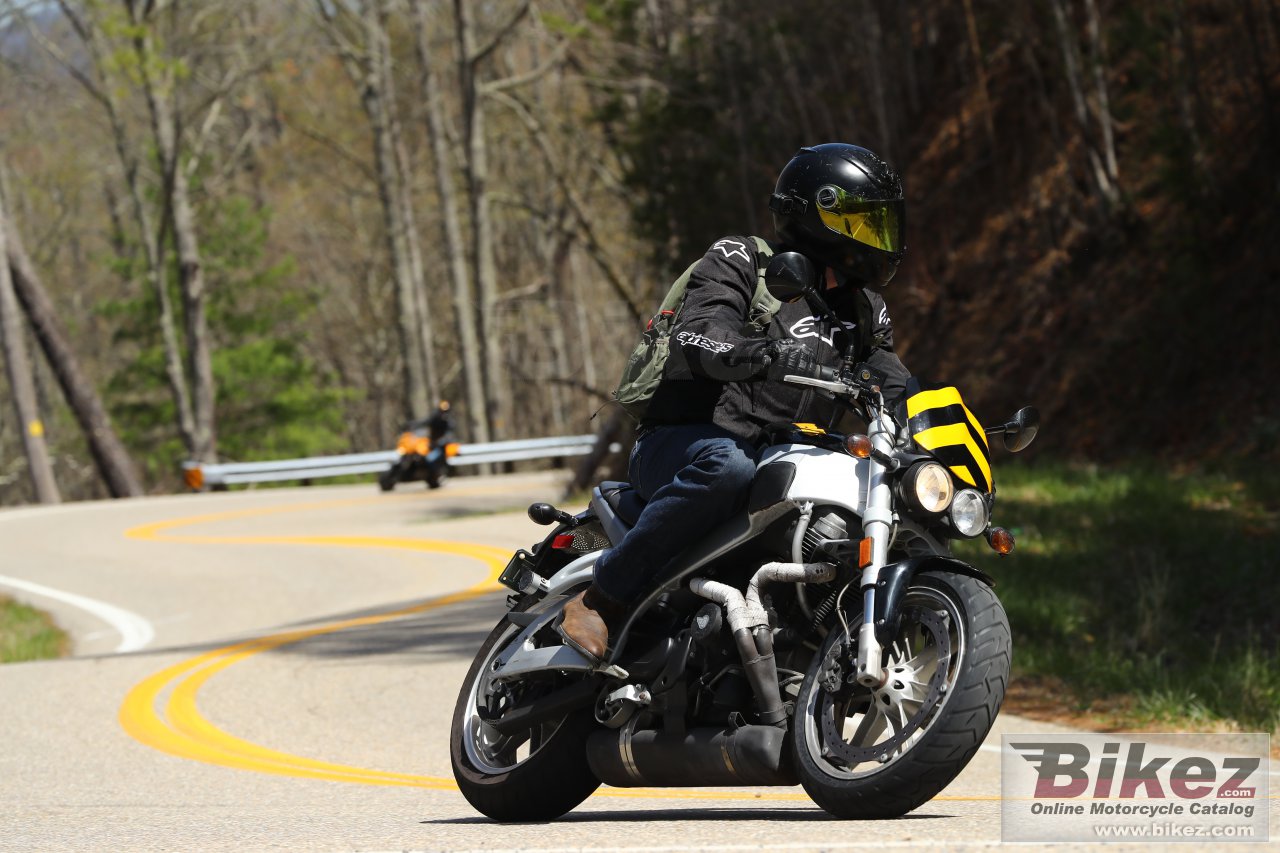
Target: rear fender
{"points": [[580, 571], [896, 577]]}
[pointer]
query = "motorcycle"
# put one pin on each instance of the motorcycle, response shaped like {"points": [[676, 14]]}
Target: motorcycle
{"points": [[418, 460], [824, 636]]}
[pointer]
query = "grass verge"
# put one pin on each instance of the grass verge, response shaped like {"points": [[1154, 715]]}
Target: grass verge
{"points": [[28, 634], [1142, 597]]}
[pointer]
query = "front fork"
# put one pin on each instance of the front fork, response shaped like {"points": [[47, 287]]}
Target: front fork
{"points": [[877, 525]]}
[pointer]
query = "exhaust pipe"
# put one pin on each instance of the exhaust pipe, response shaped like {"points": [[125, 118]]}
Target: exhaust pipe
{"points": [[749, 755]]}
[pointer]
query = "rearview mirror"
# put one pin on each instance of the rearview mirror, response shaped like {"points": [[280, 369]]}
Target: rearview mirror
{"points": [[790, 276], [1021, 429]]}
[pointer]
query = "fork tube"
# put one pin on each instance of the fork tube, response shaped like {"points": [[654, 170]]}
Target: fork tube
{"points": [[877, 524]]}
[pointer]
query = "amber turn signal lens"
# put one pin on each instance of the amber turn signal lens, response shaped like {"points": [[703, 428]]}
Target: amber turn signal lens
{"points": [[1000, 540], [864, 553], [858, 446], [194, 478], [451, 449]]}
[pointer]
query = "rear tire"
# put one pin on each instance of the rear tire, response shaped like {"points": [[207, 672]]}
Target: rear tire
{"points": [[863, 773], [547, 783], [387, 480]]}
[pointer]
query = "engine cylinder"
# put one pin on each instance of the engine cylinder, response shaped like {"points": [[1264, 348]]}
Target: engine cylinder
{"points": [[824, 527]]}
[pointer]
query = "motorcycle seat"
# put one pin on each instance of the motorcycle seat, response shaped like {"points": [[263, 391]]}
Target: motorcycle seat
{"points": [[623, 500]]}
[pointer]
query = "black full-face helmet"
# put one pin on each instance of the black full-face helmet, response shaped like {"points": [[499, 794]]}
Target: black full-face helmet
{"points": [[843, 207]]}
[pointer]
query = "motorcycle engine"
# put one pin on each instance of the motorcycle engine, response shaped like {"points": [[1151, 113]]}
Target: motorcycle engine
{"points": [[826, 524]]}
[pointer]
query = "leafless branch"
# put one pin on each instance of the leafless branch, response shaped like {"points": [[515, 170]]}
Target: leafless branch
{"points": [[501, 33]]}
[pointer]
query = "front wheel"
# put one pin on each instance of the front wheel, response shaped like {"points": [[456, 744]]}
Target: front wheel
{"points": [[535, 775], [881, 752]]}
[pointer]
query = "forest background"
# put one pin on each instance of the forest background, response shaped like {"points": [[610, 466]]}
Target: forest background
{"points": [[240, 230]]}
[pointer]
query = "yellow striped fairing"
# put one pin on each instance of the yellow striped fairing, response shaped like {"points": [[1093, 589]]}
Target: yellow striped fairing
{"points": [[941, 423]]}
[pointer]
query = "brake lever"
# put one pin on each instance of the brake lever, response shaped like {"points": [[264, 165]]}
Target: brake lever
{"points": [[841, 388]]}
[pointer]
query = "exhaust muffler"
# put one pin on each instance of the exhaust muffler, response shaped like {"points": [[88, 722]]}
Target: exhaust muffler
{"points": [[748, 755]]}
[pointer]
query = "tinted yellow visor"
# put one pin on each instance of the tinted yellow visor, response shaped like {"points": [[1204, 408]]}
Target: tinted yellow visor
{"points": [[872, 222]]}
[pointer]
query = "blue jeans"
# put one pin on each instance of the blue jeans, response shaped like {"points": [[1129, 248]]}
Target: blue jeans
{"points": [[694, 477]]}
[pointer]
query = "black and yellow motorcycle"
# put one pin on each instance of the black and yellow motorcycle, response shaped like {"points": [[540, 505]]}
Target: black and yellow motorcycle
{"points": [[825, 636]]}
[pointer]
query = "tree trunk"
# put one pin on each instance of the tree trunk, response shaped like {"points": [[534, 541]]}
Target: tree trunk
{"points": [[112, 460], [1098, 51], [22, 383], [371, 82], [182, 222], [476, 169], [464, 304], [875, 67], [979, 63], [151, 237], [1075, 81], [403, 191]]}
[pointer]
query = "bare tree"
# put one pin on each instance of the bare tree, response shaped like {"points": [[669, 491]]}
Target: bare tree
{"points": [[1103, 177], [159, 76], [464, 302], [98, 84], [114, 464], [365, 50], [979, 62], [1098, 57], [21, 382]]}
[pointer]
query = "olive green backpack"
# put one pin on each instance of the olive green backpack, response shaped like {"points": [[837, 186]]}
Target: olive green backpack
{"points": [[643, 373]]}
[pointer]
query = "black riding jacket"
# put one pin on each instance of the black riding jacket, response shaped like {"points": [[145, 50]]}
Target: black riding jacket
{"points": [[714, 371]]}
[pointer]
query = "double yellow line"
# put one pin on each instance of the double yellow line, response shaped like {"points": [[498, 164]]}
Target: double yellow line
{"points": [[162, 710]]}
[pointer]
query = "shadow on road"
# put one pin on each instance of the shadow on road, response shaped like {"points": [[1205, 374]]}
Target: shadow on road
{"points": [[454, 631], [450, 632], [692, 813]]}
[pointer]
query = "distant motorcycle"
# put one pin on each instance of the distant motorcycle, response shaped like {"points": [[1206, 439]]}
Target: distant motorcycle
{"points": [[419, 460]]}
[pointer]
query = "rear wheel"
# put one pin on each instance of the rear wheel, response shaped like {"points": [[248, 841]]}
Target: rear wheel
{"points": [[534, 775], [881, 752], [387, 479]]}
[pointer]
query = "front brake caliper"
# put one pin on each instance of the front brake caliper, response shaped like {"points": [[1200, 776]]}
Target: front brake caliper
{"points": [[832, 675]]}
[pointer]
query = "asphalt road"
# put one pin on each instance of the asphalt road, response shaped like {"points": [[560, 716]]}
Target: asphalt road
{"points": [[276, 669]]}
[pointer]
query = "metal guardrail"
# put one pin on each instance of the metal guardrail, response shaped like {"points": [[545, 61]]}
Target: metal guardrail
{"points": [[199, 476]]}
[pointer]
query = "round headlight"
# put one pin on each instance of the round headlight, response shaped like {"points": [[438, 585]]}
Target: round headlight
{"points": [[969, 513], [928, 486]]}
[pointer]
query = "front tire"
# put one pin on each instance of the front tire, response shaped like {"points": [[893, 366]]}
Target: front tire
{"points": [[536, 776], [879, 753]]}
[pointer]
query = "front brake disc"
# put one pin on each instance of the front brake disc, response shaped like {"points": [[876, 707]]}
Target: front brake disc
{"points": [[833, 729]]}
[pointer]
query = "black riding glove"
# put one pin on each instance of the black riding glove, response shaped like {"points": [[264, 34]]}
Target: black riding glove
{"points": [[789, 358]]}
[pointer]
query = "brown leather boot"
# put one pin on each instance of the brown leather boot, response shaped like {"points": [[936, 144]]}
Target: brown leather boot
{"points": [[586, 621]]}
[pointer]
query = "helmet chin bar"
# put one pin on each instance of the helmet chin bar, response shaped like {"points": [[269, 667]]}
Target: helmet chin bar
{"points": [[859, 268]]}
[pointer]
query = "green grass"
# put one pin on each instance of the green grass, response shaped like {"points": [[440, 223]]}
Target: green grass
{"points": [[1144, 590], [28, 634]]}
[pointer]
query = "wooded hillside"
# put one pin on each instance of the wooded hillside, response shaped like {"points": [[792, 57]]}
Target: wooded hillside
{"points": [[271, 230]]}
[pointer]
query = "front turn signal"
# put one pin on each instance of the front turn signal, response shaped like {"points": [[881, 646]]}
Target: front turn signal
{"points": [[1000, 540], [194, 478], [859, 446]]}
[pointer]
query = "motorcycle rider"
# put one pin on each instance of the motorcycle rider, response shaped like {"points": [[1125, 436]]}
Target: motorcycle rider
{"points": [[841, 206], [440, 429]]}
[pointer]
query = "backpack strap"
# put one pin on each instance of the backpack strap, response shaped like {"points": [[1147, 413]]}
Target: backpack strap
{"points": [[764, 307]]}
